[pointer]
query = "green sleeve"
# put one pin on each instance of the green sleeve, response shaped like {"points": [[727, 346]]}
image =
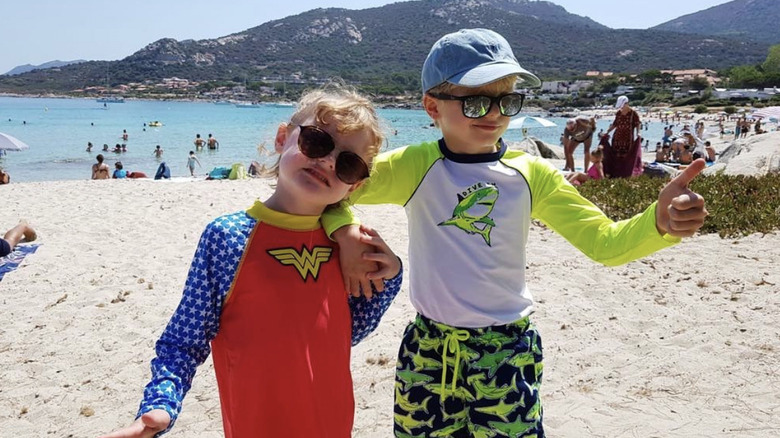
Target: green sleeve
{"points": [[561, 207], [394, 178]]}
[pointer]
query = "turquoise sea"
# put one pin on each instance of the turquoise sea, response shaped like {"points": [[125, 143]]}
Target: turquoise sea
{"points": [[57, 131]]}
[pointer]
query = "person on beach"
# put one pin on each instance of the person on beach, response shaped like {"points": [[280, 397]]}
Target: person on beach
{"points": [[470, 364], [158, 151], [124, 135], [199, 142], [100, 169], [596, 170], [709, 152], [191, 160], [623, 158], [105, 147], [578, 130], [661, 152], [5, 178], [89, 146], [22, 232], [163, 172], [212, 143], [265, 289], [119, 171]]}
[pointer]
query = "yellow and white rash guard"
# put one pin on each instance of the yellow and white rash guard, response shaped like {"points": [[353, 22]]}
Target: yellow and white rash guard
{"points": [[469, 217]]}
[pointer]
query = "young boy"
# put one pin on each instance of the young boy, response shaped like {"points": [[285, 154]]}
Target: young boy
{"points": [[265, 289], [470, 364]]}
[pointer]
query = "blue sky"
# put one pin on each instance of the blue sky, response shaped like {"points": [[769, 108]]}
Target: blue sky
{"points": [[38, 31]]}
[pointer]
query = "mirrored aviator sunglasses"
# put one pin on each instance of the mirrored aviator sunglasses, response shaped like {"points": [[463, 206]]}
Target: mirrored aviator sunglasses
{"points": [[316, 143], [478, 106]]}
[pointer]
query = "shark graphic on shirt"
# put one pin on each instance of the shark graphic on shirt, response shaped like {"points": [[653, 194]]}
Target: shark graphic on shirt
{"points": [[472, 212]]}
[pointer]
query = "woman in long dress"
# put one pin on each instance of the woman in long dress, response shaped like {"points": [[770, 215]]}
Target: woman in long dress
{"points": [[624, 157]]}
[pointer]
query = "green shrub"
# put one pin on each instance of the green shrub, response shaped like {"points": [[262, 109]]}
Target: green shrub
{"points": [[738, 205], [731, 109], [701, 109]]}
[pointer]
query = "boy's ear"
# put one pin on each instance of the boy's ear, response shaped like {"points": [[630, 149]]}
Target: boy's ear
{"points": [[281, 137], [431, 106]]}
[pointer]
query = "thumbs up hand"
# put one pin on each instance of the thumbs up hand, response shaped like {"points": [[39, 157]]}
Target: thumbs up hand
{"points": [[681, 212]]}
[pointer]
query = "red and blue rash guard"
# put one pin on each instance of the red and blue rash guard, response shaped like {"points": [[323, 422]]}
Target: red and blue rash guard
{"points": [[265, 289]]}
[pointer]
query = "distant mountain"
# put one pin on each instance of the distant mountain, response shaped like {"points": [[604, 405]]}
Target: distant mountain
{"points": [[388, 44], [51, 64], [756, 20]]}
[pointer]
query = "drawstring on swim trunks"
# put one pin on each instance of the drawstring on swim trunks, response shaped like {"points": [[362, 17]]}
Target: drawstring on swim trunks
{"points": [[452, 345]]}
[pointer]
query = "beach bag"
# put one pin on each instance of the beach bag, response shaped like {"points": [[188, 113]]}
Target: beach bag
{"points": [[655, 170], [163, 171], [237, 171], [219, 173]]}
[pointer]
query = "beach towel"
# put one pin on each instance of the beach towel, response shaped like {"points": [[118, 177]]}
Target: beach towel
{"points": [[219, 173], [622, 164], [12, 260]]}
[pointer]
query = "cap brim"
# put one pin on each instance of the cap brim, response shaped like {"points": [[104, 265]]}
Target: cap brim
{"points": [[486, 74]]}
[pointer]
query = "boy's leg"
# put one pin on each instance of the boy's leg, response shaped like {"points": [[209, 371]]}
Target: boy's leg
{"points": [[419, 408], [505, 380]]}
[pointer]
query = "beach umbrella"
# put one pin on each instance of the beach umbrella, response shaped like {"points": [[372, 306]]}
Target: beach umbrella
{"points": [[9, 143], [768, 112], [528, 121]]}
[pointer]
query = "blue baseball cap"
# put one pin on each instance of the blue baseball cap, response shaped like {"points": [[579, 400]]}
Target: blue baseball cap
{"points": [[472, 58]]}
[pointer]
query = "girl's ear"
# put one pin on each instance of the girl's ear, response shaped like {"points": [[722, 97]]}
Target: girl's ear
{"points": [[281, 137], [354, 187]]}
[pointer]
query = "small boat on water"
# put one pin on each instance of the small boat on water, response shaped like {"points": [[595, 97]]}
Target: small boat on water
{"points": [[155, 124], [111, 99]]}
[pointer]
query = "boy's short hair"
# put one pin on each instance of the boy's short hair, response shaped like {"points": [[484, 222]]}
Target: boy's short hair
{"points": [[472, 58]]}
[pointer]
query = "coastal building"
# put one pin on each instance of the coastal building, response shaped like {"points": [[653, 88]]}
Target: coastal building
{"points": [[565, 87], [599, 74], [683, 76]]}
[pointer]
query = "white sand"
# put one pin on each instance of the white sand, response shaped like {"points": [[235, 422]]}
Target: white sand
{"points": [[684, 343]]}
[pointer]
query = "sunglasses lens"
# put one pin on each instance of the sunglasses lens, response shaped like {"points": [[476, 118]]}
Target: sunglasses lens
{"points": [[350, 168], [511, 104], [314, 142], [475, 107]]}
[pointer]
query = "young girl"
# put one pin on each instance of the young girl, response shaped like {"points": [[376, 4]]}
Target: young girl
{"points": [[265, 290], [595, 171], [191, 160]]}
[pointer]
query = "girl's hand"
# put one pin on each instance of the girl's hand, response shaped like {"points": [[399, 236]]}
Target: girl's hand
{"points": [[146, 426]]}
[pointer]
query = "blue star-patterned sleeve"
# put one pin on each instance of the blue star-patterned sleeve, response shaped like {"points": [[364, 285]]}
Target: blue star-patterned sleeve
{"points": [[367, 313], [185, 343]]}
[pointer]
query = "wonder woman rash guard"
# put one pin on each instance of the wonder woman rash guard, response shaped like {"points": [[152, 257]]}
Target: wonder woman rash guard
{"points": [[469, 218], [265, 289]]}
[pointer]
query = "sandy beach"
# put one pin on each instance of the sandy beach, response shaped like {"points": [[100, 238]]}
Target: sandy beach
{"points": [[684, 343]]}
